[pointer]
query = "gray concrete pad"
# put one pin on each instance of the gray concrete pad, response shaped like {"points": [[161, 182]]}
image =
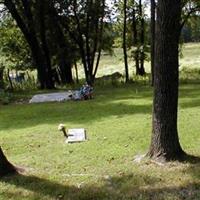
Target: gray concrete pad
{"points": [[51, 97]]}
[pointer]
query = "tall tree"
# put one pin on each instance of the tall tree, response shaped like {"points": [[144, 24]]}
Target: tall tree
{"points": [[135, 37], [124, 42], [64, 49], [138, 32], [84, 21], [142, 38], [165, 142], [153, 12], [27, 20]]}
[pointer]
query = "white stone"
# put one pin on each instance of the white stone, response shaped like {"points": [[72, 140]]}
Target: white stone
{"points": [[50, 97], [76, 135]]}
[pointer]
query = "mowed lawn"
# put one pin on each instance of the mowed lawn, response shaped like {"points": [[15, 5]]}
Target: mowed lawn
{"points": [[118, 124]]}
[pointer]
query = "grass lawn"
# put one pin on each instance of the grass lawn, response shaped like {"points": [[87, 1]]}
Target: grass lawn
{"points": [[189, 59], [118, 123]]}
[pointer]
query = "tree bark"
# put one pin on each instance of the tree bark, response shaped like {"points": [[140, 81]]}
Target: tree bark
{"points": [[124, 42], [6, 167], [25, 22], [152, 36], [1, 78], [142, 38], [64, 54], [44, 45], [99, 38], [135, 40], [76, 71], [165, 142]]}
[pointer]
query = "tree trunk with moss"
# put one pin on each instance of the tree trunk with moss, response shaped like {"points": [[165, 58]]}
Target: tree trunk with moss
{"points": [[6, 167]]}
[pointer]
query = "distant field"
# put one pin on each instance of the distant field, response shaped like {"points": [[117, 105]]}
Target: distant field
{"points": [[190, 58]]}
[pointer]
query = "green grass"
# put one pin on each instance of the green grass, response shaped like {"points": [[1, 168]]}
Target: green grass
{"points": [[190, 59], [118, 123], [191, 56]]}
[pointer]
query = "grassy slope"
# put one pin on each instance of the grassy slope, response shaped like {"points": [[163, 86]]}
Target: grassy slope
{"points": [[118, 122]]}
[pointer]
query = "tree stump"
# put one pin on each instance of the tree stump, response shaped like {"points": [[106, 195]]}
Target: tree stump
{"points": [[6, 167]]}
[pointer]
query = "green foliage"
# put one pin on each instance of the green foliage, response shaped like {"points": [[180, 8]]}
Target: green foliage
{"points": [[13, 48], [189, 75], [191, 30], [5, 97]]}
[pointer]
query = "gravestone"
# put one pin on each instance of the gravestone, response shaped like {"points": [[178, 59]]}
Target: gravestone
{"points": [[51, 97], [76, 135]]}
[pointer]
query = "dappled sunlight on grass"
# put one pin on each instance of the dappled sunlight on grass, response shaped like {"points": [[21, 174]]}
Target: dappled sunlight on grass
{"points": [[118, 125], [148, 181]]}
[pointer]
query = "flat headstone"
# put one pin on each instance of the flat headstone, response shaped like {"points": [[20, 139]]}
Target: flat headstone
{"points": [[76, 135], [51, 97]]}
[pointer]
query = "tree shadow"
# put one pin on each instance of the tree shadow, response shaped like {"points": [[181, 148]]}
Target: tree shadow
{"points": [[190, 104], [191, 159], [74, 112], [108, 102], [127, 187], [194, 166]]}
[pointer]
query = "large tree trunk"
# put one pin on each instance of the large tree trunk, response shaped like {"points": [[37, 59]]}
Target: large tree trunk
{"points": [[26, 22], [124, 43], [64, 54], [44, 45], [165, 142], [153, 6], [6, 167]]}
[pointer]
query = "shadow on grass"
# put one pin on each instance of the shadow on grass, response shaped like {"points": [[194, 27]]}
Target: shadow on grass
{"points": [[74, 112], [191, 104], [127, 187], [109, 102], [191, 159], [194, 167]]}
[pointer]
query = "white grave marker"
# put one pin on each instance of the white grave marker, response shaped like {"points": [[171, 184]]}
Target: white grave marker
{"points": [[76, 135]]}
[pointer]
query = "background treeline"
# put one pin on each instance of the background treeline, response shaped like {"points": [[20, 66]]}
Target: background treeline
{"points": [[57, 37], [191, 30]]}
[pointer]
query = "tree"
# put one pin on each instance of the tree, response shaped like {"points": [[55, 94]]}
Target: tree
{"points": [[165, 142], [61, 46], [153, 12], [142, 39], [84, 22], [1, 77], [124, 41], [14, 50], [135, 37], [31, 24], [5, 166]]}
